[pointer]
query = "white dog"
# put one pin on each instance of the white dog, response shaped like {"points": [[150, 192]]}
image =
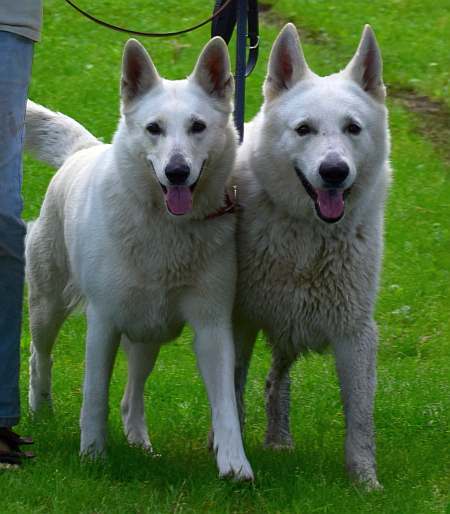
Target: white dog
{"points": [[312, 177], [135, 230]]}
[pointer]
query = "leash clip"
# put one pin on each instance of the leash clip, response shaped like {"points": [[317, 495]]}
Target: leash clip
{"points": [[234, 189], [253, 44]]}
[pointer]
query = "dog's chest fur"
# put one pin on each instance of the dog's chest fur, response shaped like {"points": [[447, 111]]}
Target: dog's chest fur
{"points": [[150, 267], [302, 283]]}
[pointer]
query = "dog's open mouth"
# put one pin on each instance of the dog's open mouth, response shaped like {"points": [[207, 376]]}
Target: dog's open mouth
{"points": [[329, 203], [179, 199]]}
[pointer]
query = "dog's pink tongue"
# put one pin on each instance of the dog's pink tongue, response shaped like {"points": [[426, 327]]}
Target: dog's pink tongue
{"points": [[331, 203], [179, 199]]}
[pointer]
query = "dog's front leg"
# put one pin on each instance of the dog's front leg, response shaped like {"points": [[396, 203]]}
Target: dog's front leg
{"points": [[215, 357], [356, 366], [101, 347]]}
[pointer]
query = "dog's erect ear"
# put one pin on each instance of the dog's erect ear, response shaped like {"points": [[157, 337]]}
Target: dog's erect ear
{"points": [[212, 71], [366, 66], [139, 74], [287, 64]]}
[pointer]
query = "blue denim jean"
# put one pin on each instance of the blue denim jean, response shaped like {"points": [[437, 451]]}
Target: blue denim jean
{"points": [[16, 53]]}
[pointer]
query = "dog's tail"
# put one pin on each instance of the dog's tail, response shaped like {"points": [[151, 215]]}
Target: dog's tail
{"points": [[52, 137]]}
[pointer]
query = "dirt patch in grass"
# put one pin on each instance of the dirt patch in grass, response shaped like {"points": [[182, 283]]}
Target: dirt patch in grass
{"points": [[264, 7], [433, 117], [272, 18]]}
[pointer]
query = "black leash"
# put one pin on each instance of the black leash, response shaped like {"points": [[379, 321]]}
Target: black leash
{"points": [[242, 14], [224, 22], [118, 28], [227, 14]]}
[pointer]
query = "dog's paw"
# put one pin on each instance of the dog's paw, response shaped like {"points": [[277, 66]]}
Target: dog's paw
{"points": [[92, 448], [92, 455], [234, 465], [135, 427], [39, 401], [279, 443], [372, 485], [366, 479], [368, 483], [136, 433], [139, 439]]}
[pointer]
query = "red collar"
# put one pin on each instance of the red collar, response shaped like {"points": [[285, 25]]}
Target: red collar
{"points": [[229, 207]]}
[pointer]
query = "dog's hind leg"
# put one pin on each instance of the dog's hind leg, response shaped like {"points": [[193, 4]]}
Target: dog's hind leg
{"points": [[356, 366], [47, 277], [278, 435], [141, 360], [46, 317], [244, 342]]}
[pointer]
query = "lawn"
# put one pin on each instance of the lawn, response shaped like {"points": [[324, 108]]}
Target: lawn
{"points": [[76, 71]]}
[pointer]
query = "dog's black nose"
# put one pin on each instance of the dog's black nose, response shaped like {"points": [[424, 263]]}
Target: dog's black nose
{"points": [[177, 170], [334, 170]]}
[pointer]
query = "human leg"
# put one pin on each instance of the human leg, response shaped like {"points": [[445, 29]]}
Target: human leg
{"points": [[15, 68]]}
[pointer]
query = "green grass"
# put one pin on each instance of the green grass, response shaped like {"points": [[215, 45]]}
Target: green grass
{"points": [[76, 71], [413, 35]]}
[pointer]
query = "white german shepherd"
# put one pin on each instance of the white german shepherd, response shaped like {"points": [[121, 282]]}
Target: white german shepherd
{"points": [[134, 229], [312, 177]]}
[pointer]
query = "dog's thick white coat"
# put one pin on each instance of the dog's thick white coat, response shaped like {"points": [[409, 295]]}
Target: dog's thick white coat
{"points": [[104, 236], [304, 282]]}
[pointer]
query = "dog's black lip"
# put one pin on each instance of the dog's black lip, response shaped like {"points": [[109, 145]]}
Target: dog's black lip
{"points": [[194, 185], [312, 193], [306, 184]]}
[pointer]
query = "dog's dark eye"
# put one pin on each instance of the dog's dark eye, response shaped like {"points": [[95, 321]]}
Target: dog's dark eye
{"points": [[154, 129], [303, 129], [353, 129], [197, 127]]}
